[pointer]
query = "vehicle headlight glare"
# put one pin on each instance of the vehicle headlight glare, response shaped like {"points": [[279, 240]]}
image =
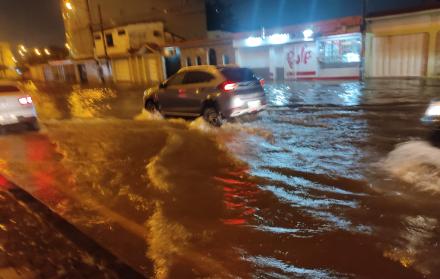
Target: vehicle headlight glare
{"points": [[433, 110], [237, 102]]}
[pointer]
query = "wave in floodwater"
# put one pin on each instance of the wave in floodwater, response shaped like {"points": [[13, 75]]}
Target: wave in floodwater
{"points": [[417, 163]]}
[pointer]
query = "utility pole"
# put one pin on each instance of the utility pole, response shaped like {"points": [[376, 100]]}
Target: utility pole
{"points": [[89, 14], [104, 42], [364, 37]]}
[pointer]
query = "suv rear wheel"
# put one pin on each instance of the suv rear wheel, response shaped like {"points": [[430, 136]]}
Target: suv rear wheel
{"points": [[213, 117], [150, 106]]}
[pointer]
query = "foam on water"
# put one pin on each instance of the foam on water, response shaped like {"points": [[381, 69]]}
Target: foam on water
{"points": [[417, 163], [146, 115]]}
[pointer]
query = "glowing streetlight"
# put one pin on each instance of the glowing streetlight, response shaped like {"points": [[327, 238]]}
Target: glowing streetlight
{"points": [[22, 48], [14, 59], [37, 51], [308, 34], [67, 46], [46, 51], [21, 53], [69, 6]]}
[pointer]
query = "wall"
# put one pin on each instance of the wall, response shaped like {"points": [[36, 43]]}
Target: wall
{"points": [[173, 12], [77, 25], [6, 59], [194, 52], [144, 69], [136, 35]]}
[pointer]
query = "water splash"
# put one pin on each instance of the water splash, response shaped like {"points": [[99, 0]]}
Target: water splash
{"points": [[417, 163]]}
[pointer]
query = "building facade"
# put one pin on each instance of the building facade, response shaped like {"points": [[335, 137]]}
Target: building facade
{"points": [[82, 18], [7, 62], [403, 45], [321, 50]]}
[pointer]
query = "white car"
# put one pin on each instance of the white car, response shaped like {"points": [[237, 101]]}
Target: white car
{"points": [[16, 107]]}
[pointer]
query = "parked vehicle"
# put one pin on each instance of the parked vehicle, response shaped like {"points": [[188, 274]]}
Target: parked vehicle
{"points": [[16, 107], [432, 115], [216, 93]]}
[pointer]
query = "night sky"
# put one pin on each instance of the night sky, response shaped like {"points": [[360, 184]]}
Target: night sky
{"points": [[39, 22]]}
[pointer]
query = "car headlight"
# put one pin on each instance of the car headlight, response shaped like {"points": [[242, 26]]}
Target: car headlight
{"points": [[237, 102], [433, 110]]}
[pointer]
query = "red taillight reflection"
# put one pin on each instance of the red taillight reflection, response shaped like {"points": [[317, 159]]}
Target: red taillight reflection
{"points": [[228, 86], [262, 82], [25, 100]]}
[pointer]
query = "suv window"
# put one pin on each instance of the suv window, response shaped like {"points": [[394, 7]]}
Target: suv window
{"points": [[176, 79], [197, 77], [8, 88], [238, 74]]}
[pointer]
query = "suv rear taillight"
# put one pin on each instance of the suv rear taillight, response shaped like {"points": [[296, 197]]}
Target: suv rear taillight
{"points": [[228, 86], [25, 100]]}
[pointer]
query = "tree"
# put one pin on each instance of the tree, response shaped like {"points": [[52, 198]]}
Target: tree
{"points": [[220, 15]]}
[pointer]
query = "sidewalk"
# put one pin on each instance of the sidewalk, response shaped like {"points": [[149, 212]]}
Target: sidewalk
{"points": [[34, 243]]}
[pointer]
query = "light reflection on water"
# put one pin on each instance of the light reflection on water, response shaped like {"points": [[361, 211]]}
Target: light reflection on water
{"points": [[245, 200]]}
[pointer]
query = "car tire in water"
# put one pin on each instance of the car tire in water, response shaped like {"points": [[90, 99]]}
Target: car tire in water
{"points": [[213, 117], [33, 126], [150, 106]]}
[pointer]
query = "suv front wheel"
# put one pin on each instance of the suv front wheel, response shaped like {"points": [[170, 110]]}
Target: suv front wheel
{"points": [[213, 117]]}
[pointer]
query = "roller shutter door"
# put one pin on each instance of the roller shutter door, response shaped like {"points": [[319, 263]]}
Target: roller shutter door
{"points": [[121, 69], [400, 56]]}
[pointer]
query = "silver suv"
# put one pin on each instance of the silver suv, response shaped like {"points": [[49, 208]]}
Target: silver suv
{"points": [[216, 93]]}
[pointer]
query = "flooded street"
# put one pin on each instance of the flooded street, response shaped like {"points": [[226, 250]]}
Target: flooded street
{"points": [[334, 180]]}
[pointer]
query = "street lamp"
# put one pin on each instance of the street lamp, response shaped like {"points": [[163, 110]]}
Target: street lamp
{"points": [[68, 5], [46, 51], [308, 34], [37, 51]]}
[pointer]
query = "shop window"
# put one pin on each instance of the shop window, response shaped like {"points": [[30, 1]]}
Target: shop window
{"points": [[157, 34], [121, 32], [199, 60], [97, 37], [109, 40], [226, 60], [188, 61], [340, 52]]}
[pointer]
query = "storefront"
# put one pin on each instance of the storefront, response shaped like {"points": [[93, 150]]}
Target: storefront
{"points": [[323, 50], [404, 45]]}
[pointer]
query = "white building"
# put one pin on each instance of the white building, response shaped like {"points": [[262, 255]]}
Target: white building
{"points": [[321, 50]]}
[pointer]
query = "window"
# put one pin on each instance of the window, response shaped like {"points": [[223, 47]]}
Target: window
{"points": [[225, 59], [188, 61], [8, 89], [121, 32], [176, 79], [97, 37], [238, 74], [109, 40], [199, 60], [197, 77], [157, 33], [340, 51]]}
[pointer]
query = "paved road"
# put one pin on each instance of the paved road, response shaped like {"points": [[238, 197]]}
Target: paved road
{"points": [[335, 180]]}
